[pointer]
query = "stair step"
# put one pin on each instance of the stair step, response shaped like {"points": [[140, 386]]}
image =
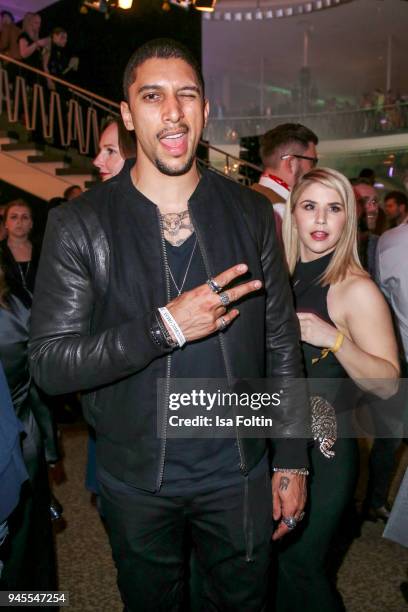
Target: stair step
{"points": [[49, 158], [4, 140], [77, 170], [9, 134], [22, 146]]}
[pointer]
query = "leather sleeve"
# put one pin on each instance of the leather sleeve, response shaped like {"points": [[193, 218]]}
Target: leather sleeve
{"points": [[283, 352], [64, 355]]}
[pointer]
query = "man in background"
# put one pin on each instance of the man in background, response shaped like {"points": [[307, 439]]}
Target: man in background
{"points": [[287, 151], [396, 208]]}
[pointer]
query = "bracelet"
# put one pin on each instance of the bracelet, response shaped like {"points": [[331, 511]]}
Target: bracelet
{"points": [[172, 323], [166, 335], [339, 341], [300, 471], [158, 336], [336, 346]]}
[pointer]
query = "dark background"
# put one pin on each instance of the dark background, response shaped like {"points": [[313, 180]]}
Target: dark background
{"points": [[105, 45]]}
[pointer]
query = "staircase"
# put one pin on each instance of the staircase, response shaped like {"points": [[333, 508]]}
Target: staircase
{"points": [[73, 117], [40, 170]]}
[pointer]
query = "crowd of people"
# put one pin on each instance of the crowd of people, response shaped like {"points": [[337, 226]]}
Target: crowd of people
{"points": [[167, 271], [48, 53]]}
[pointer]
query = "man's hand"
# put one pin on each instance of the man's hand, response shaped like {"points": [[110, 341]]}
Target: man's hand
{"points": [[200, 312], [288, 499]]}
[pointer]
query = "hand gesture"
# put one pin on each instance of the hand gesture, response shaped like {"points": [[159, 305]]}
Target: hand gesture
{"points": [[201, 312]]}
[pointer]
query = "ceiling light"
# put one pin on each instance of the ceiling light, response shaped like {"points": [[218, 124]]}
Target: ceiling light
{"points": [[205, 5], [184, 4], [125, 4]]}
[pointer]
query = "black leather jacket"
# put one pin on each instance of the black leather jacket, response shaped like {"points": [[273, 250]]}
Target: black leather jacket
{"points": [[84, 337]]}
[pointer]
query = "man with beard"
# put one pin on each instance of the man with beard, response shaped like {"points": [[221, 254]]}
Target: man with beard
{"points": [[137, 285], [287, 151]]}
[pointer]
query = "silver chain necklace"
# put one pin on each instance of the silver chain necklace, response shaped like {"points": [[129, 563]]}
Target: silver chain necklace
{"points": [[180, 289], [23, 273]]}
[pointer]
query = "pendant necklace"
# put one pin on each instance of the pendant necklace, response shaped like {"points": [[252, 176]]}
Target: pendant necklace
{"points": [[180, 289]]}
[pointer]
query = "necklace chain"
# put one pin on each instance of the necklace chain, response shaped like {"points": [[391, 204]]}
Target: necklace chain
{"points": [[23, 273], [180, 289]]}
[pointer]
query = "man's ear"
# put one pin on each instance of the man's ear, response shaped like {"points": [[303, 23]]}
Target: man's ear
{"points": [[126, 116], [291, 165], [206, 111]]}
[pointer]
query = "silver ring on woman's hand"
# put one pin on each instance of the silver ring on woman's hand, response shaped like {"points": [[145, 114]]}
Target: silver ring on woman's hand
{"points": [[224, 298], [290, 522], [214, 286], [301, 516], [222, 323]]}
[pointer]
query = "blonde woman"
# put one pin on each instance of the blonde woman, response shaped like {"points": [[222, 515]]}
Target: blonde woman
{"points": [[30, 44], [346, 332]]}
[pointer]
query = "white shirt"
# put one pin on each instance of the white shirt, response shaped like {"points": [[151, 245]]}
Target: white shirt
{"points": [[392, 276]]}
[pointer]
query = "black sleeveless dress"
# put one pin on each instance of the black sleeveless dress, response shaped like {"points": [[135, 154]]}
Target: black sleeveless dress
{"points": [[303, 583]]}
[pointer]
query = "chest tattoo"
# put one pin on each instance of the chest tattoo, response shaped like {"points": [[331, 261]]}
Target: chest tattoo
{"points": [[177, 227]]}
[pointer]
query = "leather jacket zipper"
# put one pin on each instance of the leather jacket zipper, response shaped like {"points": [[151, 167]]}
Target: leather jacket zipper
{"points": [[242, 466], [168, 362]]}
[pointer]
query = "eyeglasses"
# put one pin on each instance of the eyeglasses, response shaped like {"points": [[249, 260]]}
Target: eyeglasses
{"points": [[314, 160]]}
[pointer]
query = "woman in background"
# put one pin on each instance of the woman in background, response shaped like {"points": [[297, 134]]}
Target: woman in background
{"points": [[19, 255], [31, 45], [346, 331], [116, 144]]}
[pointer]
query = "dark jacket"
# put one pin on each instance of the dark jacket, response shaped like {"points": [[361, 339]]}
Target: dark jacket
{"points": [[85, 338], [12, 469]]}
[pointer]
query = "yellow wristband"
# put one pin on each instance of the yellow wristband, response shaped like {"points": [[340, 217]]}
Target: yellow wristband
{"points": [[324, 352], [338, 343]]}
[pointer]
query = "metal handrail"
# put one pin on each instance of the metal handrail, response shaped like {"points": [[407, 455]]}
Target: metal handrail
{"points": [[73, 129], [51, 77]]}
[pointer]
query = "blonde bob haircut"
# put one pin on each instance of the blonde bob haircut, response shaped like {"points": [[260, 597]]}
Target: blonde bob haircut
{"points": [[345, 258]]}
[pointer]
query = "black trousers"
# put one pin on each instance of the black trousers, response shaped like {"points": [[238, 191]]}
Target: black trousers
{"points": [[229, 530], [303, 581]]}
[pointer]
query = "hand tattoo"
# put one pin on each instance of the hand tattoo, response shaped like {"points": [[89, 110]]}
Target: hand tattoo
{"points": [[284, 483]]}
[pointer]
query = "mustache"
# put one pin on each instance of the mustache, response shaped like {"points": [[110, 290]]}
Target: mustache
{"points": [[180, 128]]}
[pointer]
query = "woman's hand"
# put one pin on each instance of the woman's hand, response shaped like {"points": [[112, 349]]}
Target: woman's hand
{"points": [[315, 331]]}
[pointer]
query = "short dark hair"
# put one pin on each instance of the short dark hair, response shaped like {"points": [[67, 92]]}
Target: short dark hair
{"points": [[369, 174], [69, 190], [161, 48], [361, 180], [399, 196], [273, 142], [9, 14], [58, 30]]}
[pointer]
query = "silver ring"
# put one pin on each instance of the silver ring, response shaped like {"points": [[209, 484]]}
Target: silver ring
{"points": [[290, 522], [223, 323], [214, 286], [224, 299]]}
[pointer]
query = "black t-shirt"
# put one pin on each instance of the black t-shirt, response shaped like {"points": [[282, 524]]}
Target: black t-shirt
{"points": [[195, 465]]}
